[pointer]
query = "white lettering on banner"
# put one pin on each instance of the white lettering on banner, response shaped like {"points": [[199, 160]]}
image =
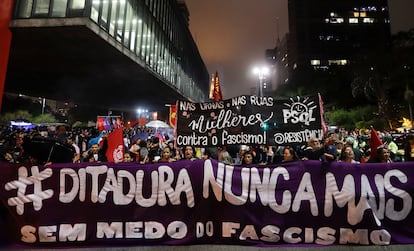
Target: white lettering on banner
{"points": [[243, 139], [297, 137], [117, 154], [296, 235], [236, 101], [299, 112], [227, 119], [265, 189], [212, 105], [67, 232], [162, 181], [261, 101], [362, 236], [187, 106], [347, 195], [141, 230], [25, 195], [192, 140]]}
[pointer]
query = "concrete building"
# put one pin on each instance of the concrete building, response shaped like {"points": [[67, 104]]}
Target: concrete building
{"points": [[327, 33], [118, 53]]}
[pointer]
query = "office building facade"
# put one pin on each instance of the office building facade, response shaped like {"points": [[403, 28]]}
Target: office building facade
{"points": [[325, 33], [125, 52]]}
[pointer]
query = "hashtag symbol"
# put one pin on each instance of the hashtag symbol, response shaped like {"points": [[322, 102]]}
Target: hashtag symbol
{"points": [[21, 184]]}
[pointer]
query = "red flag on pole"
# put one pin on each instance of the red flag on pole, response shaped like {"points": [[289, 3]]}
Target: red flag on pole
{"points": [[211, 93], [6, 10], [115, 151], [375, 142], [215, 89], [173, 116]]}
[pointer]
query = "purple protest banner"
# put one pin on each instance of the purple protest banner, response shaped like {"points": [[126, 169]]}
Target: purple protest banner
{"points": [[301, 203]]}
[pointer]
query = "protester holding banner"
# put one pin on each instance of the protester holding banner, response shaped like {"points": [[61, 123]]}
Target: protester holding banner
{"points": [[240, 155], [330, 150], [313, 151], [166, 155], [134, 149], [143, 150], [97, 153], [76, 157], [127, 157], [155, 151], [225, 157], [289, 154], [189, 153], [383, 155], [247, 158], [347, 155]]}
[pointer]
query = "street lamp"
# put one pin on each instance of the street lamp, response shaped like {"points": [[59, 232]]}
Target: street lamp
{"points": [[141, 112], [261, 72]]}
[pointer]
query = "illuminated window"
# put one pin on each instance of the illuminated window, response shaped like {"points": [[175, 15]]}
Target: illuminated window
{"points": [[59, 9], [353, 20], [42, 7], [315, 62], [362, 14], [338, 62], [372, 8], [356, 14], [329, 38], [337, 20], [368, 20], [78, 4]]}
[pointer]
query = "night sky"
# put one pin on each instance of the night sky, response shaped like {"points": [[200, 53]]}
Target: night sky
{"points": [[232, 35]]}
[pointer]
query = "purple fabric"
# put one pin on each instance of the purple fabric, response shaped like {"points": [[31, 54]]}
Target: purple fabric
{"points": [[205, 202]]}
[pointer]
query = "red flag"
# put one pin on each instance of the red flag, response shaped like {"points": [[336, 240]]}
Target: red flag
{"points": [[142, 121], [375, 142], [6, 10], [173, 116], [115, 151], [211, 93], [100, 123], [103, 123], [215, 89]]}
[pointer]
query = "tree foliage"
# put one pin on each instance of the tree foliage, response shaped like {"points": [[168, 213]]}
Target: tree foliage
{"points": [[44, 118], [359, 117], [24, 115], [17, 115]]}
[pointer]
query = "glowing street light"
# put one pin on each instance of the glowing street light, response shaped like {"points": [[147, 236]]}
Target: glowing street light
{"points": [[142, 112], [261, 72]]}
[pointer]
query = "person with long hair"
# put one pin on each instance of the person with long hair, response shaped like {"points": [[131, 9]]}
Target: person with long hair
{"points": [[247, 158], [166, 155], [289, 154], [348, 155]]}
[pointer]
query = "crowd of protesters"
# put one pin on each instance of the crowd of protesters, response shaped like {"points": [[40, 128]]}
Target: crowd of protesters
{"points": [[23, 146]]}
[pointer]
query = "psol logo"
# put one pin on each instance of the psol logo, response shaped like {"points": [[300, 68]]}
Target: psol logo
{"points": [[299, 111], [118, 154]]}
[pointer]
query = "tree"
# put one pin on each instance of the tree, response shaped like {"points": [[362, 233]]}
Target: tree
{"points": [[44, 118], [379, 77], [358, 117], [17, 115]]}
